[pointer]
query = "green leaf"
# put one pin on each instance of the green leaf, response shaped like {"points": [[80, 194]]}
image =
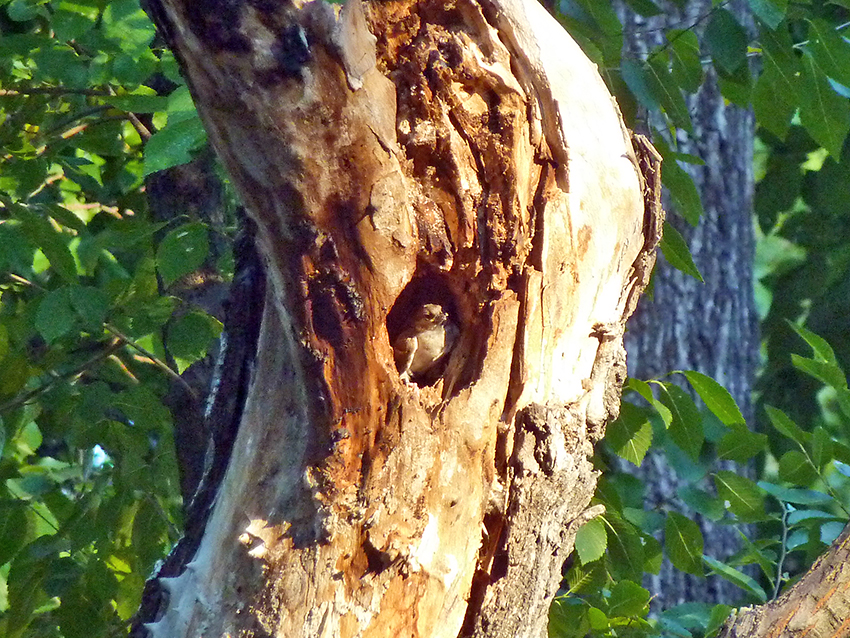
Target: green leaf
{"points": [[150, 534], [70, 24], [181, 251], [726, 40], [14, 528], [190, 336], [628, 599], [736, 577], [675, 250], [795, 468], [719, 614], [645, 391], [686, 428], [25, 592], [568, 618], [61, 64], [684, 194], [646, 8], [144, 409], [625, 548], [773, 108], [91, 305], [631, 434], [174, 145], [715, 396], [785, 425], [684, 52], [821, 447], [741, 445], [582, 579], [702, 502], [754, 553], [684, 543], [829, 532], [801, 516], [776, 96], [736, 87], [29, 439], [745, 498], [824, 113], [126, 24], [668, 93], [608, 27], [52, 243], [771, 12], [598, 619], [21, 10], [690, 616], [133, 69], [56, 316], [591, 541], [636, 76], [828, 373], [830, 50], [653, 556], [138, 103], [797, 496], [822, 350], [4, 350]]}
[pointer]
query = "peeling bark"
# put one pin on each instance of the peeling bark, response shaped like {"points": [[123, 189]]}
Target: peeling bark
{"points": [[394, 154]]}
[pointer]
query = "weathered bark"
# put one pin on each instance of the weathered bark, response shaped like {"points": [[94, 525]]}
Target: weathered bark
{"points": [[690, 325], [817, 605], [191, 190], [467, 154]]}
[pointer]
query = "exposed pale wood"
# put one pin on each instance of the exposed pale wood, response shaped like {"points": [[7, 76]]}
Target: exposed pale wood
{"points": [[399, 153]]}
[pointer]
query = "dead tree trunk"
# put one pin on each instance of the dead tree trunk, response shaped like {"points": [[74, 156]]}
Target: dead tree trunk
{"points": [[464, 158]]}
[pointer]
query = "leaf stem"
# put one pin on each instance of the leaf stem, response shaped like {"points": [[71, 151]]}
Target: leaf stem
{"points": [[782, 552]]}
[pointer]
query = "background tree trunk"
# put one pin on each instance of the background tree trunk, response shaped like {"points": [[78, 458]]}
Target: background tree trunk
{"points": [[711, 327], [447, 159]]}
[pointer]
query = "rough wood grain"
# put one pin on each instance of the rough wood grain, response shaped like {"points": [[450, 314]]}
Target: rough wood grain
{"points": [[392, 154]]}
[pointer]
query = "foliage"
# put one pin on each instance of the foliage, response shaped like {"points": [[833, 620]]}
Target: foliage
{"points": [[795, 74], [801, 505], [89, 105]]}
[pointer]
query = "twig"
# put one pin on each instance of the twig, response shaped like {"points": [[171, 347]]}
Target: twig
{"points": [[27, 397], [154, 359], [782, 551]]}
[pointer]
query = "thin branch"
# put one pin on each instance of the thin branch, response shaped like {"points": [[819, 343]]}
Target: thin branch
{"points": [[25, 398], [51, 90], [141, 129], [153, 358], [782, 552]]}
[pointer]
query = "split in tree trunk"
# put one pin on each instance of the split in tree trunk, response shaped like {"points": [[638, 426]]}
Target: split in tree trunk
{"points": [[394, 155]]}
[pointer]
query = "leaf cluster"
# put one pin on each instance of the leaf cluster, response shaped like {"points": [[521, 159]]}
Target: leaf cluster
{"points": [[799, 505], [90, 105], [792, 70]]}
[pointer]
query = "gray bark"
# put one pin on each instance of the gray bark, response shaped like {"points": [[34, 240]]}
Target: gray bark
{"points": [[687, 325]]}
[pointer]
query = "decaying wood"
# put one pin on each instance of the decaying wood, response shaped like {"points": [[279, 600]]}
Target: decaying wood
{"points": [[818, 605], [392, 154]]}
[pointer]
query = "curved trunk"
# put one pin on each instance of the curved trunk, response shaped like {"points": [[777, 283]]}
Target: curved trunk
{"points": [[399, 156]]}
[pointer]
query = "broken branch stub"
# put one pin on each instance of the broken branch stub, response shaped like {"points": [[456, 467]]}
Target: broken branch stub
{"points": [[464, 156]]}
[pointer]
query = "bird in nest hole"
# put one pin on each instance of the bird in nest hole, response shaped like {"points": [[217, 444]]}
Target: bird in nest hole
{"points": [[425, 342]]}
